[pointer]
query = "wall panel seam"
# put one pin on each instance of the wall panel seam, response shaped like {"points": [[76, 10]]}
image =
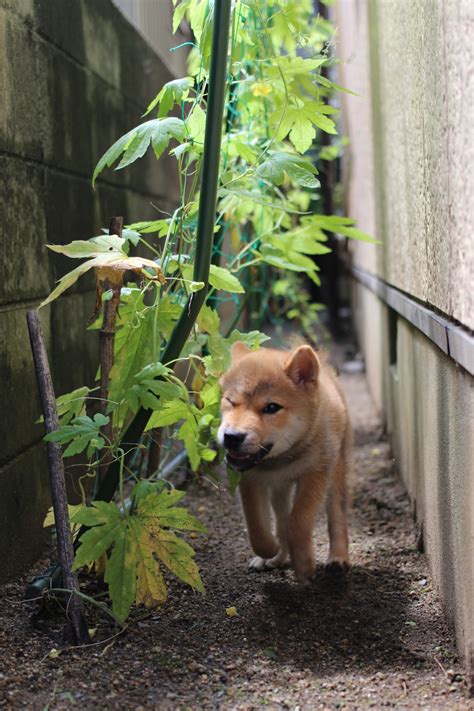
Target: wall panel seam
{"points": [[455, 341], [51, 168]]}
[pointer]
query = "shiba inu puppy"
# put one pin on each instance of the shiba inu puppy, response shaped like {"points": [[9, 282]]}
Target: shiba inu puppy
{"points": [[285, 427]]}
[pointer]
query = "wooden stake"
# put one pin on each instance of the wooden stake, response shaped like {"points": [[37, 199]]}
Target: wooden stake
{"points": [[107, 343], [57, 480]]}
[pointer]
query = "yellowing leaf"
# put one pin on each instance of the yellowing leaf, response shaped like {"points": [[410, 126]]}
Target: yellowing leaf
{"points": [[135, 545], [177, 555], [49, 519], [151, 587], [99, 565], [107, 254], [259, 88], [234, 237], [54, 653], [231, 611]]}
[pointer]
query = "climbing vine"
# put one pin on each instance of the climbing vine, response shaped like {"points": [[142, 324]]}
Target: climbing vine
{"points": [[277, 105]]}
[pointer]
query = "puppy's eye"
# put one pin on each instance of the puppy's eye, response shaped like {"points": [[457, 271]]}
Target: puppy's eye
{"points": [[271, 408], [227, 399]]}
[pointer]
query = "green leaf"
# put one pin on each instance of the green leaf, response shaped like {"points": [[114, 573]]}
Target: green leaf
{"points": [[96, 541], [81, 433], [112, 154], [189, 434], [172, 92], [196, 125], [299, 121], [221, 278], [298, 169], [99, 512], [208, 320], [194, 286], [120, 573], [170, 413], [157, 132], [354, 233], [144, 487], [233, 479], [257, 199], [70, 405], [210, 394], [131, 236], [179, 14], [133, 350], [149, 226]]}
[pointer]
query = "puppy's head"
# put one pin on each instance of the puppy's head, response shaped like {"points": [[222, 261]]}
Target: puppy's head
{"points": [[268, 399]]}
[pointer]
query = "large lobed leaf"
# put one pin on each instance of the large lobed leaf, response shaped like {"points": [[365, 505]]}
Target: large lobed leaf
{"points": [[135, 544], [134, 144], [300, 170]]}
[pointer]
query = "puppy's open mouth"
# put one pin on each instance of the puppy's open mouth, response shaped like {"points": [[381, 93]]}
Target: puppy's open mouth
{"points": [[241, 461]]}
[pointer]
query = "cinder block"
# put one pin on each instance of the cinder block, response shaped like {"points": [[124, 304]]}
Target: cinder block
{"points": [[20, 400], [24, 107], [62, 23], [22, 231], [24, 503], [75, 352], [71, 214], [71, 117]]}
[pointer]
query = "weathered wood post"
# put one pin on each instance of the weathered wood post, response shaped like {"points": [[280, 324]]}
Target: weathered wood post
{"points": [[57, 480]]}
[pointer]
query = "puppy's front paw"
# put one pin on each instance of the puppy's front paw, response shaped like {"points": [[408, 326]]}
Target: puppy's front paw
{"points": [[259, 564], [337, 566], [304, 570]]}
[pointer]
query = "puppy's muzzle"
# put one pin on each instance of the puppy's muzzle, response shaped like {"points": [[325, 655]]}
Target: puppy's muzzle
{"points": [[238, 457]]}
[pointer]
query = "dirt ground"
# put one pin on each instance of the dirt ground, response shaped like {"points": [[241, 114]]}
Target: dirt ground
{"points": [[377, 639]]}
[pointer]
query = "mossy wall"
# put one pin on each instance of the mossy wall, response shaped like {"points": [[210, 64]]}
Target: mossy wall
{"points": [[74, 76]]}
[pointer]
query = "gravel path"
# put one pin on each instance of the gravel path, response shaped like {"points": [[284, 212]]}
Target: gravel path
{"points": [[376, 640]]}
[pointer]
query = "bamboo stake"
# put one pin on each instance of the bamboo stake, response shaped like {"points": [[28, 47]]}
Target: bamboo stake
{"points": [[57, 480], [205, 227], [107, 342]]}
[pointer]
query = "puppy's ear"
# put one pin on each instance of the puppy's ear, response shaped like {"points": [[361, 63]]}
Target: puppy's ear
{"points": [[238, 351], [303, 366]]}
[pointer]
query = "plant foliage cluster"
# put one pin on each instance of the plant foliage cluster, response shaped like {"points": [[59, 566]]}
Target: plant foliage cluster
{"points": [[277, 106]]}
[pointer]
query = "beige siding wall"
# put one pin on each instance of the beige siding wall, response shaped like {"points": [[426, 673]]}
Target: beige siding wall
{"points": [[153, 19], [413, 63], [409, 180]]}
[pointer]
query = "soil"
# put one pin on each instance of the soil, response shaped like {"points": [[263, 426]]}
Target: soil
{"points": [[375, 639]]}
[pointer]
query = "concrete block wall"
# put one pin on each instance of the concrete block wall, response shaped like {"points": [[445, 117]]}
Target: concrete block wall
{"points": [[74, 76], [407, 182]]}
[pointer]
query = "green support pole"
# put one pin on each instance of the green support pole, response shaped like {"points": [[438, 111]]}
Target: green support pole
{"points": [[204, 242], [206, 220]]}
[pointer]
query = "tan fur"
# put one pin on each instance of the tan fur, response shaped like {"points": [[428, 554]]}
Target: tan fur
{"points": [[310, 440]]}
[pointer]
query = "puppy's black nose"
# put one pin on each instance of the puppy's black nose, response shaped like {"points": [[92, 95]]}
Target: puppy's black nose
{"points": [[233, 440]]}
